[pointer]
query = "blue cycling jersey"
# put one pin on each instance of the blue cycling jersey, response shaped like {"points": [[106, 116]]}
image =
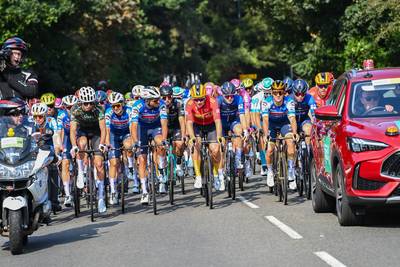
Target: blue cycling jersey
{"points": [[118, 124], [148, 117], [278, 114], [64, 122], [308, 105], [230, 111]]}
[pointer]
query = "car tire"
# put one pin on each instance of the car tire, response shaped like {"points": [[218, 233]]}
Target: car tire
{"points": [[346, 213], [321, 202]]}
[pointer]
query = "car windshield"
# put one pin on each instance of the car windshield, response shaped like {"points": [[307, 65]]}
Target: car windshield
{"points": [[377, 98]]}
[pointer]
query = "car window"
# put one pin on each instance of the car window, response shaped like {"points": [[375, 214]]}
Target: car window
{"points": [[333, 98], [377, 98], [341, 99]]}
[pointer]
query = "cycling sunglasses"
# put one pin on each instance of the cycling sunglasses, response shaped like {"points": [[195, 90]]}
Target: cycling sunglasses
{"points": [[299, 94], [166, 97], [199, 100], [118, 105], [322, 86], [229, 96], [38, 117], [278, 93]]}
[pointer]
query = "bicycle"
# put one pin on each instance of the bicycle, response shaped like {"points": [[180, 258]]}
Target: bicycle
{"points": [[303, 167], [171, 172], [231, 170]]}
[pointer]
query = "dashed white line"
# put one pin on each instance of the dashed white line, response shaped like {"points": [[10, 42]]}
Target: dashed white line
{"points": [[286, 229], [329, 259], [247, 203]]}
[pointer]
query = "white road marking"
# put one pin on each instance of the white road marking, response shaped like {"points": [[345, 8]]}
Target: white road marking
{"points": [[247, 203], [329, 259], [286, 229]]}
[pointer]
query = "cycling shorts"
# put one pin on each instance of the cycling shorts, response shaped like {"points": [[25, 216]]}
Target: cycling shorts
{"points": [[209, 130], [282, 128], [143, 134], [116, 141], [94, 136], [229, 127], [300, 124]]}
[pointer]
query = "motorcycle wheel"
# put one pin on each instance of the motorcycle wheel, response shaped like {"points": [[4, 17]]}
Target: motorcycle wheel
{"points": [[16, 232]]}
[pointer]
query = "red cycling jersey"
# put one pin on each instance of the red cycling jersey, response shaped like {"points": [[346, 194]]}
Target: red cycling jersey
{"points": [[205, 115], [320, 101]]}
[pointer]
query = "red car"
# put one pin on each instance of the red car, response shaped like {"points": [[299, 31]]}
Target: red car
{"points": [[356, 145]]}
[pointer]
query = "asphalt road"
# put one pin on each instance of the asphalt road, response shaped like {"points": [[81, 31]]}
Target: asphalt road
{"points": [[254, 230]]}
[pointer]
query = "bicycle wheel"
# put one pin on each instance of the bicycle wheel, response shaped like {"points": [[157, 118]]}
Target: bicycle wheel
{"points": [[278, 180], [182, 178], [153, 187], [123, 187], [232, 174], [204, 181], [210, 183], [227, 172], [284, 178], [171, 178], [91, 189], [299, 174], [306, 174], [76, 194], [253, 159]]}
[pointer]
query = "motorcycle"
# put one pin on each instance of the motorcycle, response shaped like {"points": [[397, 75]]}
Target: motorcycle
{"points": [[24, 203]]}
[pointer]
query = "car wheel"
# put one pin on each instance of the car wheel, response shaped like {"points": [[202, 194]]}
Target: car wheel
{"points": [[321, 202], [346, 214]]}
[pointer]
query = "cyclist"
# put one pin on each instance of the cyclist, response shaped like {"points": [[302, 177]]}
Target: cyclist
{"points": [[321, 91], [63, 124], [47, 125], [278, 113], [210, 89], [87, 123], [305, 106], [203, 115], [58, 104], [256, 103], [178, 92], [176, 124], [101, 99], [248, 85], [289, 86], [149, 118], [136, 92], [232, 118], [118, 135], [246, 99], [50, 99]]}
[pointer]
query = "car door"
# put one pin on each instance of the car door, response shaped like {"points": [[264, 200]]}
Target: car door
{"points": [[325, 138]]}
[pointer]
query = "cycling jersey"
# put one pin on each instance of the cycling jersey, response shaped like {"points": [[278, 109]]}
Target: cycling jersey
{"points": [[148, 117], [318, 100], [246, 99], [230, 112], [118, 124], [49, 127], [205, 115], [308, 105], [278, 114], [175, 110], [87, 120], [256, 102], [64, 123]]}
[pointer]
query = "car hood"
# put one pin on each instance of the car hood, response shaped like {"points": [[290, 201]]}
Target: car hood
{"points": [[375, 129]]}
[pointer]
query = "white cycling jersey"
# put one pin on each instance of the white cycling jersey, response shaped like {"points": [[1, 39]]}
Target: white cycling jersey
{"points": [[256, 102]]}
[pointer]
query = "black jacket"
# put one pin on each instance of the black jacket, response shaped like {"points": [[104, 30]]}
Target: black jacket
{"points": [[15, 82]]}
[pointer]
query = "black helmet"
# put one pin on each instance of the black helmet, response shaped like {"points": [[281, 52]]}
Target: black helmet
{"points": [[166, 90]]}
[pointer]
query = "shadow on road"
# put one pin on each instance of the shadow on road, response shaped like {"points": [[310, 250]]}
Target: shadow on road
{"points": [[37, 243]]}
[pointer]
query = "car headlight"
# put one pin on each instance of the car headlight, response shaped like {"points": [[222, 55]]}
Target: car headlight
{"points": [[21, 171], [362, 145]]}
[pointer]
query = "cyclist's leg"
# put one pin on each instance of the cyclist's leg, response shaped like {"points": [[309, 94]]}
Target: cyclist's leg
{"points": [[114, 154], [98, 162], [142, 162], [81, 158], [161, 156], [65, 175], [270, 151], [306, 127], [196, 157], [286, 131], [236, 128], [178, 148], [215, 151]]}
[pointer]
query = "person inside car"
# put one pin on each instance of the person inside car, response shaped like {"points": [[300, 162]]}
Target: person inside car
{"points": [[371, 102]]}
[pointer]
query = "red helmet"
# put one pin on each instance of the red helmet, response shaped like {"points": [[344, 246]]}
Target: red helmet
{"points": [[15, 43]]}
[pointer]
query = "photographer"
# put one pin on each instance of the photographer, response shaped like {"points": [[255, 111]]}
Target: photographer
{"points": [[15, 82]]}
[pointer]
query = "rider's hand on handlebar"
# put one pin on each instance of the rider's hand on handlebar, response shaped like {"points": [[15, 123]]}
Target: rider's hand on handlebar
{"points": [[103, 148], [221, 140], [74, 150], [192, 141]]}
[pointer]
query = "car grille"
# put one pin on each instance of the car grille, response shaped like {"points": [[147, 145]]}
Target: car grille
{"points": [[391, 166], [364, 184]]}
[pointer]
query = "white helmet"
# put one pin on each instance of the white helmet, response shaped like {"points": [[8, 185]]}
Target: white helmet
{"points": [[115, 97], [137, 89], [150, 92], [69, 100], [39, 109], [87, 94]]}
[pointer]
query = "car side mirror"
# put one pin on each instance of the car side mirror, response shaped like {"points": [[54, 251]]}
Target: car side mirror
{"points": [[327, 113]]}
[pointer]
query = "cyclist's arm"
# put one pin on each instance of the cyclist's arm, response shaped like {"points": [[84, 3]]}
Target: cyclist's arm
{"points": [[133, 130], [182, 125], [189, 119], [190, 130], [293, 124], [102, 125], [107, 141], [265, 124], [292, 116], [164, 129], [73, 129]]}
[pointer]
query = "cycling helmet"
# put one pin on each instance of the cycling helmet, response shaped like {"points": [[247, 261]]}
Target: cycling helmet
{"points": [[58, 103], [15, 43], [102, 85], [236, 83], [198, 91], [115, 98], [289, 84], [87, 94], [48, 98], [127, 96], [228, 88], [322, 78], [69, 100], [39, 109], [258, 87], [278, 85], [247, 83], [178, 91], [266, 83], [101, 96], [300, 86], [150, 92], [166, 90], [136, 90]]}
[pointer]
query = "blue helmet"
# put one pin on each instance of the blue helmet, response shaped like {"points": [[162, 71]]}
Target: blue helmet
{"points": [[300, 86], [101, 96], [289, 85], [228, 88]]}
